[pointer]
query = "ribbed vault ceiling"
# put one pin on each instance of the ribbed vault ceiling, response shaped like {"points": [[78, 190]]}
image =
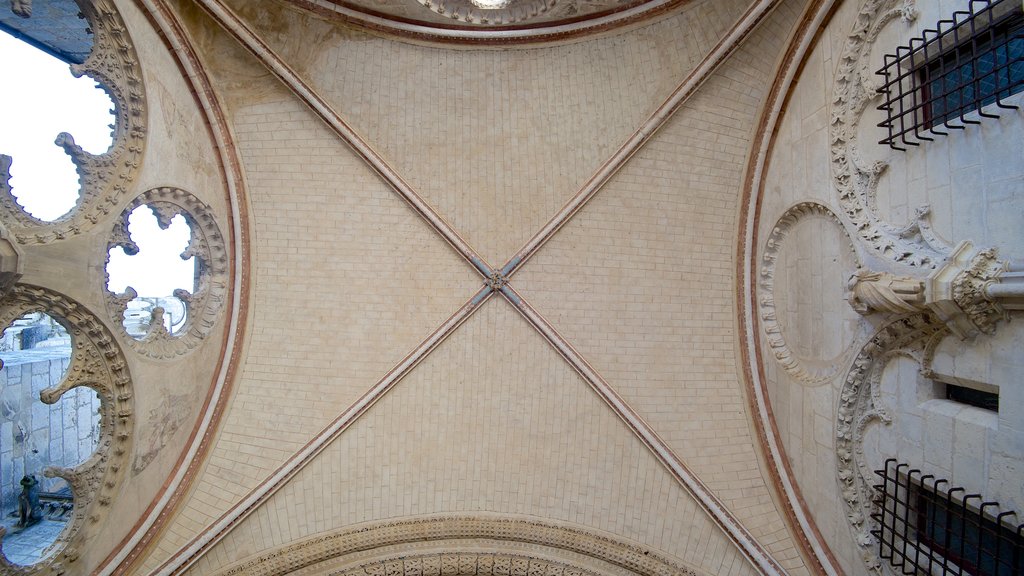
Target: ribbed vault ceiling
{"points": [[490, 281]]}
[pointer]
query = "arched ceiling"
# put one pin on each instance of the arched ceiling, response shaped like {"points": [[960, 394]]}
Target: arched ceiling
{"points": [[484, 282]]}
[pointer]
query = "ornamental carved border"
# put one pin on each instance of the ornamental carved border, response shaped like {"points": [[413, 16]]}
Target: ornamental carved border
{"points": [[97, 362], [914, 336], [474, 531], [802, 372], [914, 244], [104, 178], [206, 245], [464, 564], [466, 11]]}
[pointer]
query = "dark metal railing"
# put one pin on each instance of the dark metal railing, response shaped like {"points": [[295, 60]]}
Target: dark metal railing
{"points": [[926, 526], [966, 62]]}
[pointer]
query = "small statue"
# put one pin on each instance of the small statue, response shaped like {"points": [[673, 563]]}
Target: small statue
{"points": [[883, 292], [29, 510]]}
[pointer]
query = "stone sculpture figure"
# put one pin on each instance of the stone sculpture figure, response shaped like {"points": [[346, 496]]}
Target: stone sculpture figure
{"points": [[29, 510], [884, 292]]}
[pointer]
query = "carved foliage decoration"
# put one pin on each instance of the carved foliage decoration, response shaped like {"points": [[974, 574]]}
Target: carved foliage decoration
{"points": [[473, 533], [969, 291], [104, 178], [915, 336], [206, 245], [801, 371], [98, 363], [914, 244]]}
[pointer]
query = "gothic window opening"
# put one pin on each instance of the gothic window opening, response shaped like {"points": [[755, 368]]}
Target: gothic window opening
{"points": [[968, 63], [36, 504], [50, 116], [155, 270]]}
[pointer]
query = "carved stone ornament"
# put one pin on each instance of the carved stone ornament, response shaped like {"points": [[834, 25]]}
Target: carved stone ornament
{"points": [[915, 336], [883, 292], [801, 371], [206, 245], [494, 12], [914, 244], [98, 363], [104, 178], [22, 8], [467, 547], [958, 292]]}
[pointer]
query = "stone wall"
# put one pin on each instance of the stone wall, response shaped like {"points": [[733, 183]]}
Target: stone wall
{"points": [[972, 180], [34, 435]]}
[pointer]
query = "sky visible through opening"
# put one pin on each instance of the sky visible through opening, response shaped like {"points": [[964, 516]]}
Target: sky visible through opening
{"points": [[41, 99]]}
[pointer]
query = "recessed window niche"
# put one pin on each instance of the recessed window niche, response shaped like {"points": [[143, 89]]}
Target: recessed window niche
{"points": [[36, 351], [166, 272]]}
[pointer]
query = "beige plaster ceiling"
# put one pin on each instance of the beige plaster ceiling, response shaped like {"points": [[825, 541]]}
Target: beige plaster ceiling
{"points": [[485, 284]]}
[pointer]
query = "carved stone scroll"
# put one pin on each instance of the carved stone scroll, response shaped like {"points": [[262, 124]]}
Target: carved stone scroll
{"points": [[913, 335], [914, 244], [97, 363], [206, 245], [104, 178]]}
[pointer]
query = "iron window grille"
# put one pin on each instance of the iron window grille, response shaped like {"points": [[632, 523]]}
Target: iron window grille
{"points": [[974, 59], [927, 526]]}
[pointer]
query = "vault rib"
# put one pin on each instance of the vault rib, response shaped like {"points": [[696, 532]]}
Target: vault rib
{"points": [[745, 541], [233, 25], [205, 540], [754, 15]]}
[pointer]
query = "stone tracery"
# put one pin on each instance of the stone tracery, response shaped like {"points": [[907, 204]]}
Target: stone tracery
{"points": [[104, 178], [97, 363], [206, 245]]}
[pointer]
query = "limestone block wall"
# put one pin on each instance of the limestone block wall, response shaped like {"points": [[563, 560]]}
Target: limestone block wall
{"points": [[34, 435], [973, 180]]}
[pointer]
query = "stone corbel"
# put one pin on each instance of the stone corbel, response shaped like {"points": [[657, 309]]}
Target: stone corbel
{"points": [[973, 290], [11, 265]]}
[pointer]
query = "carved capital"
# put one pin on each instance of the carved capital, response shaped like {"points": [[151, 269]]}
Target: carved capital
{"points": [[959, 291]]}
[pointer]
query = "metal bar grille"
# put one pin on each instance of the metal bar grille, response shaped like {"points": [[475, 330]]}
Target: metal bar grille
{"points": [[927, 527], [964, 63]]}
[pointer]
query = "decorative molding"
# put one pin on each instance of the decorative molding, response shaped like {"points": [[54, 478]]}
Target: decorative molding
{"points": [[914, 244], [97, 363], [562, 21], [914, 335], [514, 11], [104, 178], [799, 370], [465, 564], [475, 532], [206, 245]]}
